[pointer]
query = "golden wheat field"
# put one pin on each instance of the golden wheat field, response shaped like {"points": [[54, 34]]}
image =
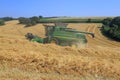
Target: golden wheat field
{"points": [[21, 59]]}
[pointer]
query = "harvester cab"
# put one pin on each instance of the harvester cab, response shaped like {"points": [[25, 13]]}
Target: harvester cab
{"points": [[61, 35], [49, 29]]}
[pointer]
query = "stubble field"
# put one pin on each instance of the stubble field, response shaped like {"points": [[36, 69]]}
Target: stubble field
{"points": [[21, 59]]}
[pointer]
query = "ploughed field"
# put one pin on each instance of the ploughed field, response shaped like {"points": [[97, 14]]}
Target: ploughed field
{"points": [[21, 59]]}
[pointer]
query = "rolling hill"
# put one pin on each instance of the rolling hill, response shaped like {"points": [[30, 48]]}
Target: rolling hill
{"points": [[21, 59]]}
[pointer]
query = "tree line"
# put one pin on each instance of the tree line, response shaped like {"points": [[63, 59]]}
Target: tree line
{"points": [[111, 28], [40, 19], [3, 19], [22, 20], [29, 21]]}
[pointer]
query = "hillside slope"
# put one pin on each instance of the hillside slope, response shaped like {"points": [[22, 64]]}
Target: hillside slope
{"points": [[21, 59]]}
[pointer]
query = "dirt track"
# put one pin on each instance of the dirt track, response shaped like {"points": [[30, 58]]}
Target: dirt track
{"points": [[20, 58]]}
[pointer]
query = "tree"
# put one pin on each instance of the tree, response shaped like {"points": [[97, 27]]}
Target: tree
{"points": [[115, 21], [29, 21], [2, 22], [107, 21], [40, 17], [7, 18], [89, 20], [22, 20], [35, 19], [111, 28]]}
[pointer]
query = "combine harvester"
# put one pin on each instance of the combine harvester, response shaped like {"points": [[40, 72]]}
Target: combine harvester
{"points": [[61, 35]]}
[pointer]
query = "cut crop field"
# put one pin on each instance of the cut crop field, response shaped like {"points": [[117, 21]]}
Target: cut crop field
{"points": [[21, 59]]}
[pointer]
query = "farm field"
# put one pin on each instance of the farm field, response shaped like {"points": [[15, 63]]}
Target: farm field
{"points": [[73, 19], [21, 59]]}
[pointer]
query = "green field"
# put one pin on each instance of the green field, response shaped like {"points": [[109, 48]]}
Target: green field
{"points": [[72, 20]]}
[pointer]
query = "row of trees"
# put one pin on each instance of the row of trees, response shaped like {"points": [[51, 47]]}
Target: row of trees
{"points": [[29, 21], [111, 28], [7, 18], [22, 20], [37, 19], [3, 19]]}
